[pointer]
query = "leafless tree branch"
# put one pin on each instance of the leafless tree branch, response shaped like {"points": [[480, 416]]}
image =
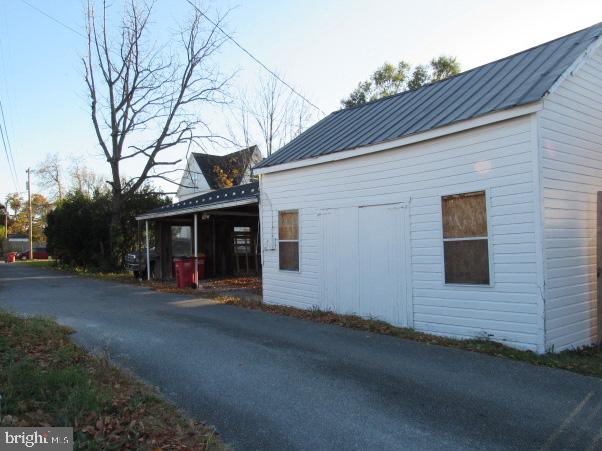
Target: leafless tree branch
{"points": [[145, 99]]}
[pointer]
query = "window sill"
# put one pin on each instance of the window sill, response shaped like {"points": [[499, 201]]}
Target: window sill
{"points": [[472, 286]]}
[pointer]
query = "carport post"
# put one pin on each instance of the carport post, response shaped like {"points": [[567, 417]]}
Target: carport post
{"points": [[196, 251], [147, 254]]}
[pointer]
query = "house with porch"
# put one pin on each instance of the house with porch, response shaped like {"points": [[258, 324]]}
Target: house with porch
{"points": [[216, 217], [467, 208]]}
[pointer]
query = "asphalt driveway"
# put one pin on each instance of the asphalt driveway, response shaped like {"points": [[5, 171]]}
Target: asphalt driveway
{"points": [[273, 382]]}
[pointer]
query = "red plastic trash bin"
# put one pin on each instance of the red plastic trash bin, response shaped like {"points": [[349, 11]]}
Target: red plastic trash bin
{"points": [[185, 276], [11, 257], [183, 272]]}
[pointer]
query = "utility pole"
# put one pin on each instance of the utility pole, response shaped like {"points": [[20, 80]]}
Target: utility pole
{"points": [[30, 214]]}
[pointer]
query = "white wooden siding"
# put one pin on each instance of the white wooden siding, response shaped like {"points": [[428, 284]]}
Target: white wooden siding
{"points": [[498, 158], [571, 171], [193, 181]]}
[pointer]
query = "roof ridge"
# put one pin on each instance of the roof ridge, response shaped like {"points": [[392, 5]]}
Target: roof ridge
{"points": [[518, 79], [205, 154], [409, 91]]}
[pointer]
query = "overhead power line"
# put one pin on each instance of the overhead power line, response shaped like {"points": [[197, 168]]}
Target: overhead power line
{"points": [[11, 164], [8, 159], [224, 32], [8, 148], [254, 58], [63, 24]]}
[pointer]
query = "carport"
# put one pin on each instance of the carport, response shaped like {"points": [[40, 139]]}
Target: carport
{"points": [[221, 225]]}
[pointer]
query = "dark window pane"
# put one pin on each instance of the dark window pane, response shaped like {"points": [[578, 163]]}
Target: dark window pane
{"points": [[464, 215], [181, 241], [289, 256], [288, 225], [466, 261]]}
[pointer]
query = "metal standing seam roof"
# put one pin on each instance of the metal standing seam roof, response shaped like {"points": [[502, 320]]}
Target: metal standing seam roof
{"points": [[516, 80], [215, 198]]}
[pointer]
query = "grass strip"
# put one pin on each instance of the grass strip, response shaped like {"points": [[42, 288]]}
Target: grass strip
{"points": [[48, 380]]}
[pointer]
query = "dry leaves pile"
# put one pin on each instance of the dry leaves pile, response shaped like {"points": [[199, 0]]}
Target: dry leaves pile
{"points": [[586, 360]]}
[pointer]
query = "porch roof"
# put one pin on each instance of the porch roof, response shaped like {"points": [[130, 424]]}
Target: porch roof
{"points": [[222, 198]]}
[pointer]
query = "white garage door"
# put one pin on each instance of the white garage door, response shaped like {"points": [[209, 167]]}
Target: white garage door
{"points": [[363, 261]]}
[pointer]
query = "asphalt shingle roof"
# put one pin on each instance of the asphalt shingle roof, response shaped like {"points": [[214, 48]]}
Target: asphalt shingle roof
{"points": [[233, 165], [513, 81], [220, 196]]}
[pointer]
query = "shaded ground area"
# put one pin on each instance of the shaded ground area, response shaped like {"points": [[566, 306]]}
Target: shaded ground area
{"points": [[274, 382]]}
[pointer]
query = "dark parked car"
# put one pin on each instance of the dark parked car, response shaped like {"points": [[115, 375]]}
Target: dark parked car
{"points": [[136, 262], [39, 253]]}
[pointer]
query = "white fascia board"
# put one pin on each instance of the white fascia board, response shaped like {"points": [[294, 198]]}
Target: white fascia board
{"points": [[457, 127], [196, 209]]}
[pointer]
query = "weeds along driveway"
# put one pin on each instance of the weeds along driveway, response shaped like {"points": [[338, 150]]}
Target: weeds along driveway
{"points": [[274, 382]]}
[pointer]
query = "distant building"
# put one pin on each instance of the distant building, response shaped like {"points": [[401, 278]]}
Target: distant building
{"points": [[207, 172], [17, 242]]}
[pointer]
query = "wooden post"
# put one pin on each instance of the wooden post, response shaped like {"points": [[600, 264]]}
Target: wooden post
{"points": [[30, 214], [6, 224], [213, 248], [196, 250], [138, 249], [257, 245], [148, 273]]}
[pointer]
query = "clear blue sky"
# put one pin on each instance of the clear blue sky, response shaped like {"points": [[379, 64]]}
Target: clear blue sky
{"points": [[323, 47]]}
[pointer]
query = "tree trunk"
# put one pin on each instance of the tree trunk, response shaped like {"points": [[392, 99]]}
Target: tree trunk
{"points": [[116, 237]]}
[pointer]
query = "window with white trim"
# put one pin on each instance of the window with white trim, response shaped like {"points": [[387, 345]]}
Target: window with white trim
{"points": [[465, 238], [288, 240]]}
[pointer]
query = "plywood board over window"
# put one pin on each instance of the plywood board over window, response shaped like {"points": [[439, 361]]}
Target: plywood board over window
{"points": [[465, 238], [288, 240]]}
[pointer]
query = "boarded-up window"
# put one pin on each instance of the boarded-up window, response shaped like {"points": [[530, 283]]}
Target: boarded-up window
{"points": [[288, 240], [465, 239]]}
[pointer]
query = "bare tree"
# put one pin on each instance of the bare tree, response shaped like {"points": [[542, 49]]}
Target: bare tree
{"points": [[239, 122], [269, 111], [50, 176], [143, 97], [83, 179], [298, 115], [274, 114]]}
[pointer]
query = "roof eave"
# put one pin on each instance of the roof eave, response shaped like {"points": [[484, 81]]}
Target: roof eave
{"points": [[439, 132], [198, 209]]}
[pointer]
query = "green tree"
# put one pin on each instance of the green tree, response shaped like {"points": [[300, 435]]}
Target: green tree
{"points": [[443, 67], [391, 79], [420, 76], [79, 228], [14, 201], [19, 217]]}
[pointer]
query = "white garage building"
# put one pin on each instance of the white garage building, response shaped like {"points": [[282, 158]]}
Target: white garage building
{"points": [[465, 208]]}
